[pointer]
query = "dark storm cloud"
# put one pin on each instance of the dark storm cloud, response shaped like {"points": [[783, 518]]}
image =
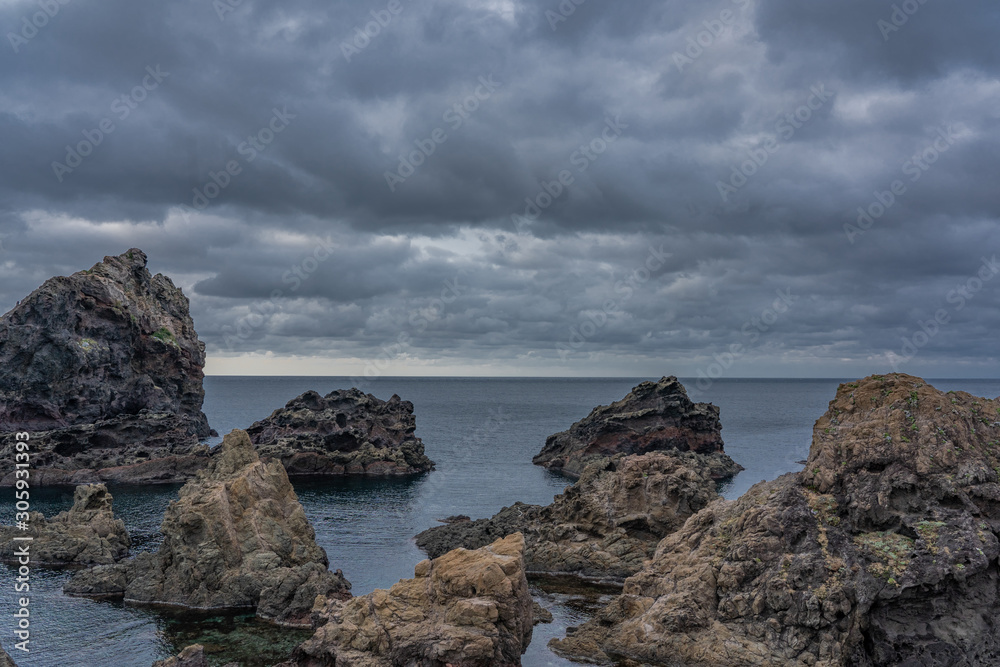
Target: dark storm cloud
{"points": [[248, 155]]}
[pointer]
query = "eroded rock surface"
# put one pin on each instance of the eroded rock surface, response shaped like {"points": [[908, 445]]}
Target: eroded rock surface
{"points": [[86, 534], [237, 537], [602, 527], [469, 608], [654, 416], [104, 368], [343, 433], [883, 551]]}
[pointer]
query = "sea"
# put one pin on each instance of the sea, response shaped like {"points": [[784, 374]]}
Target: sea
{"points": [[481, 433]]}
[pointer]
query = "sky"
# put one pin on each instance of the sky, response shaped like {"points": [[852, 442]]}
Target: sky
{"points": [[730, 188]]}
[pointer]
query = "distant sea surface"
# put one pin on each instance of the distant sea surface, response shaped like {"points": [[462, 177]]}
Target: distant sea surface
{"points": [[480, 432]]}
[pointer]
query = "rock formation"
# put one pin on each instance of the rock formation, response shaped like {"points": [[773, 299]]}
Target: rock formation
{"points": [[345, 432], [191, 656], [237, 537], [104, 368], [86, 534], [469, 608], [655, 416], [605, 525], [883, 551]]}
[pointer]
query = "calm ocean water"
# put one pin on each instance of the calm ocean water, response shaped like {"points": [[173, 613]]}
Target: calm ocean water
{"points": [[481, 433]]}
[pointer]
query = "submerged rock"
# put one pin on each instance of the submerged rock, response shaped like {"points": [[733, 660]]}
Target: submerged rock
{"points": [[883, 551], [5, 659], [237, 537], [655, 416], [191, 656], [104, 368], [605, 525], [469, 608], [86, 534], [343, 433]]}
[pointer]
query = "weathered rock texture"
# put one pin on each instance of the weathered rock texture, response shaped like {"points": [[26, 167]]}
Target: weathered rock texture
{"points": [[5, 659], [191, 656], [104, 368], [883, 551], [468, 608], [654, 416], [86, 534], [344, 433], [237, 537], [605, 525]]}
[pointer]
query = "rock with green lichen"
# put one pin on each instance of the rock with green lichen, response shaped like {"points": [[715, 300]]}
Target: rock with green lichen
{"points": [[882, 551], [105, 369]]}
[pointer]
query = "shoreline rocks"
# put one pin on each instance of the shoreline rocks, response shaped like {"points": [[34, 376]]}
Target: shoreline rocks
{"points": [[86, 534], [654, 416], [883, 551], [469, 608], [603, 527], [104, 368], [236, 537], [343, 433]]}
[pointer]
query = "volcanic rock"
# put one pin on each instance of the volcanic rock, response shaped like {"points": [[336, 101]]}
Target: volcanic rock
{"points": [[5, 659], [469, 608], [883, 551], [86, 534], [605, 525], [655, 416], [191, 656], [344, 433], [104, 369], [237, 537]]}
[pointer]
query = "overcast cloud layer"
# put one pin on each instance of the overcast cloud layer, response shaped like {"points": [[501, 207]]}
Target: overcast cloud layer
{"points": [[712, 155]]}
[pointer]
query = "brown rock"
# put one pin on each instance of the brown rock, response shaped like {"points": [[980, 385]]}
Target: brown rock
{"points": [[104, 368], [342, 433], [883, 551], [655, 416], [86, 534], [5, 659], [237, 537], [604, 526], [469, 608]]}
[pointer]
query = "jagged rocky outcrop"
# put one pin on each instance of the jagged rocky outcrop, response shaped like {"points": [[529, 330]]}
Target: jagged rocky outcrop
{"points": [[104, 369], [883, 551], [237, 537], [655, 416], [605, 525], [86, 534], [343, 433], [469, 608]]}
